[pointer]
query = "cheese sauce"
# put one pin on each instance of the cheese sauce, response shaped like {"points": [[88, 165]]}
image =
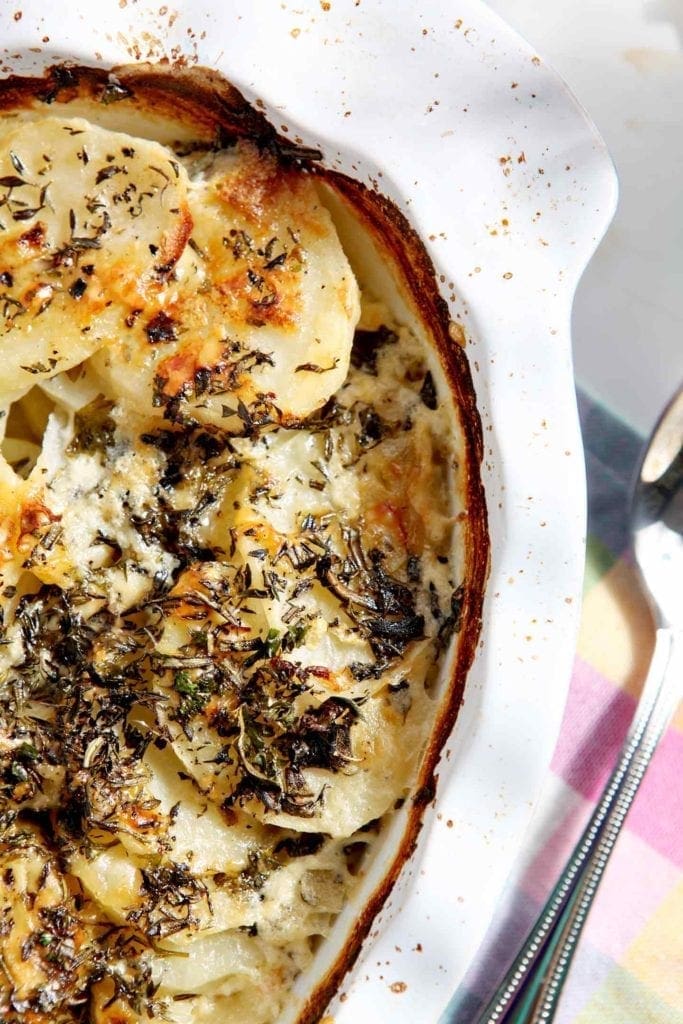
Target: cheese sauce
{"points": [[226, 582]]}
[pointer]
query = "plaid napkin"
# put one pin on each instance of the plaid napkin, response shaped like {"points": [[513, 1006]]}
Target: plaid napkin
{"points": [[628, 968]]}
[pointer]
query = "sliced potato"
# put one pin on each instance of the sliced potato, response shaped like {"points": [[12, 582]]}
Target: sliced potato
{"points": [[92, 222], [266, 305]]}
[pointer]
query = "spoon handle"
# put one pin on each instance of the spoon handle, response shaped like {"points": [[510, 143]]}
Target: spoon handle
{"points": [[529, 992]]}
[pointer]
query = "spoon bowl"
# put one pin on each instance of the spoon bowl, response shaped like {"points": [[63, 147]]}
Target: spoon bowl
{"points": [[657, 516]]}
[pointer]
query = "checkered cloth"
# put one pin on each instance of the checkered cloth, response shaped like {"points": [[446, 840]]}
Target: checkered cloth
{"points": [[628, 968]]}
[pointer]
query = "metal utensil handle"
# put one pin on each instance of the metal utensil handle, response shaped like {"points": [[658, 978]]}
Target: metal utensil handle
{"points": [[534, 981]]}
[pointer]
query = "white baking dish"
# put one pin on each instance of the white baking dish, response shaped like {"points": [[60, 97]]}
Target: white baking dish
{"points": [[451, 115]]}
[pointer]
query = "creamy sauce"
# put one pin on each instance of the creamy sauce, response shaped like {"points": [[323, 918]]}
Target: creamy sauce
{"points": [[227, 584]]}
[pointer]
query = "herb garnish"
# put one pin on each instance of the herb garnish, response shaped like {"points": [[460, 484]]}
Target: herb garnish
{"points": [[194, 666]]}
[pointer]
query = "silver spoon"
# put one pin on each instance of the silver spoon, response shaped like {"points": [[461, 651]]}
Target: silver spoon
{"points": [[529, 992]]}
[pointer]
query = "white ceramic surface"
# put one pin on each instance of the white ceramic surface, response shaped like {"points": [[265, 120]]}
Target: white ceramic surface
{"points": [[457, 120], [624, 60]]}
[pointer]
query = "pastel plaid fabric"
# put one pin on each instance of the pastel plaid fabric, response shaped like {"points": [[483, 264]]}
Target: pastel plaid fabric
{"points": [[629, 965]]}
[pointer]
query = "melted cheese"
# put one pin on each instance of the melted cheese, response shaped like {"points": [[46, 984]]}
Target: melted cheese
{"points": [[220, 617]]}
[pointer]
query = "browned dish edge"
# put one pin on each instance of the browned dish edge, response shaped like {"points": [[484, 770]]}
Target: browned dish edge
{"points": [[207, 101], [389, 226]]}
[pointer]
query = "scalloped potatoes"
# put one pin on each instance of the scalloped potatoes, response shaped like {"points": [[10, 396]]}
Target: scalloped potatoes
{"points": [[227, 576]]}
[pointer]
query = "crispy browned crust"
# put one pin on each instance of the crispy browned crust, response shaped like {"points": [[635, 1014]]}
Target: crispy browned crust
{"points": [[197, 96], [219, 113]]}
